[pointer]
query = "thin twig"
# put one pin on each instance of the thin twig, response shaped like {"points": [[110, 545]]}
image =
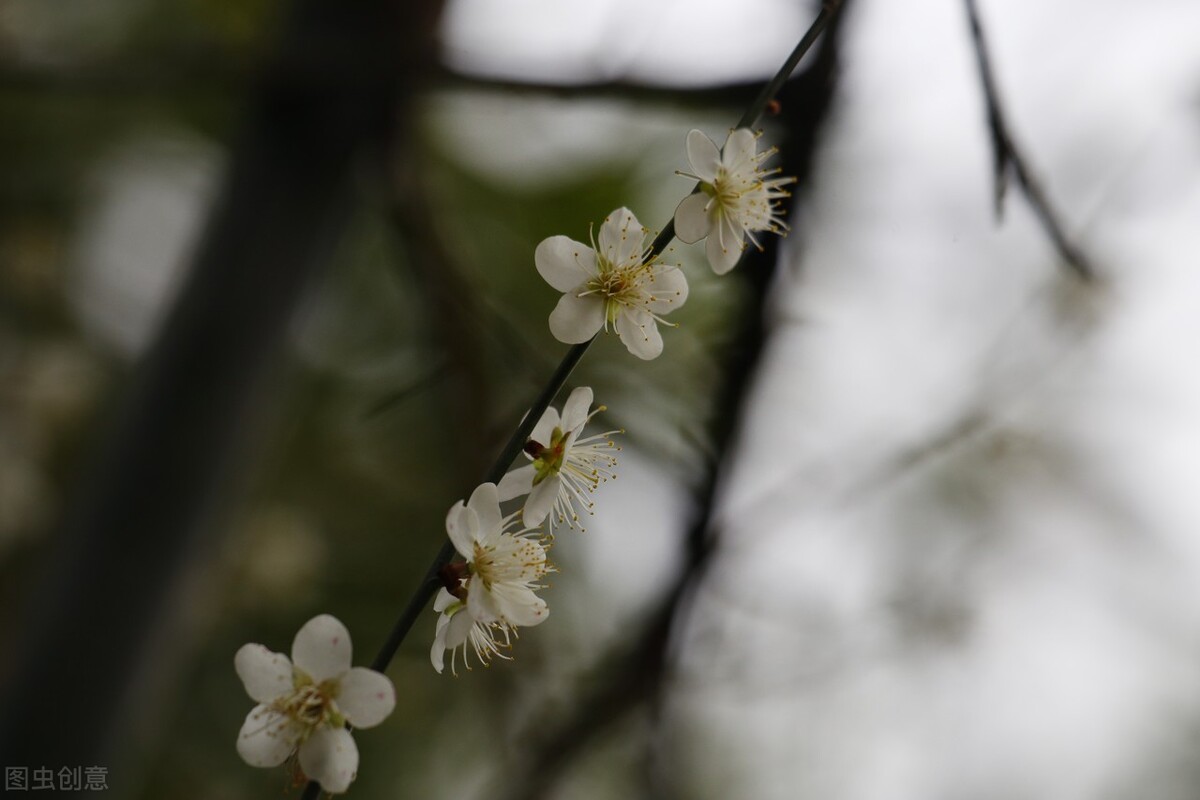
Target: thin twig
{"points": [[1006, 156], [430, 582], [539, 406], [636, 674], [752, 115], [829, 10]]}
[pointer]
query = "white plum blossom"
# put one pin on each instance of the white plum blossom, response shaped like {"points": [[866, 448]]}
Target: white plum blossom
{"points": [[456, 629], [503, 562], [305, 703], [565, 468], [736, 198], [612, 284]]}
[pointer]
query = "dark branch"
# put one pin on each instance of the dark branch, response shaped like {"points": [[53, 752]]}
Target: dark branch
{"points": [[169, 74], [193, 411], [1006, 157], [634, 675]]}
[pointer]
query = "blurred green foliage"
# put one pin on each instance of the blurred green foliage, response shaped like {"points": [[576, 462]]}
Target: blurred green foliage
{"points": [[345, 501]]}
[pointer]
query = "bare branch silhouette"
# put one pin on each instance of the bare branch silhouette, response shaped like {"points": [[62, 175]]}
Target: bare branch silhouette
{"points": [[634, 675], [1006, 157]]}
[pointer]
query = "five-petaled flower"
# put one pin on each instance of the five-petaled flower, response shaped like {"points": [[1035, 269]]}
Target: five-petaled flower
{"points": [[503, 562], [456, 629], [305, 703], [736, 198], [613, 284], [565, 468]]}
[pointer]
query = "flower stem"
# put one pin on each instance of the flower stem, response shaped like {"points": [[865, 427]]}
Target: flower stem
{"points": [[517, 441], [828, 9], [512, 449], [749, 119], [430, 582]]}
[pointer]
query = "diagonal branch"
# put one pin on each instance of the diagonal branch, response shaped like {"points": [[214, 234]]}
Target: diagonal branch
{"points": [[1007, 157], [636, 675]]}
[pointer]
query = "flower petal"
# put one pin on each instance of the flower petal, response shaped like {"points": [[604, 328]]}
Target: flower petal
{"points": [[621, 237], [516, 483], [443, 600], [669, 290], [541, 500], [322, 648], [691, 218], [452, 632], [731, 230], [575, 410], [639, 333], [703, 155], [518, 605], [723, 255], [458, 628], [576, 319], [437, 653], [267, 737], [265, 674], [365, 697], [485, 502], [480, 604], [738, 153], [545, 427], [330, 757], [564, 263], [461, 526]]}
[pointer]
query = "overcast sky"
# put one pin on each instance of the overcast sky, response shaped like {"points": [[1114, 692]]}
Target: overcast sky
{"points": [[1017, 615]]}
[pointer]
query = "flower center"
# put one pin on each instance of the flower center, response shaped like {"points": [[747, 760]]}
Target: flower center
{"points": [[310, 705], [726, 190], [549, 460], [619, 284], [483, 565], [506, 560]]}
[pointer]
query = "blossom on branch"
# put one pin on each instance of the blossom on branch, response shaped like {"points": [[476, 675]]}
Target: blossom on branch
{"points": [[456, 629], [737, 198], [566, 469], [616, 283], [305, 703], [503, 562]]}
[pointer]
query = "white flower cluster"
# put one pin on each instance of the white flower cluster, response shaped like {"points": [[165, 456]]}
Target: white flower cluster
{"points": [[618, 283], [621, 284], [491, 593], [306, 704]]}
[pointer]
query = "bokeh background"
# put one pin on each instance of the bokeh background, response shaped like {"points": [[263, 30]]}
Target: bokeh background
{"points": [[906, 509]]}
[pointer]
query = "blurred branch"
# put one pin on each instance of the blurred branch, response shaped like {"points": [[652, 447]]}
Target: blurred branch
{"points": [[966, 425], [657, 95], [468, 327], [450, 312], [1006, 157], [426, 588], [192, 413], [167, 73], [635, 675], [414, 385], [172, 72]]}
